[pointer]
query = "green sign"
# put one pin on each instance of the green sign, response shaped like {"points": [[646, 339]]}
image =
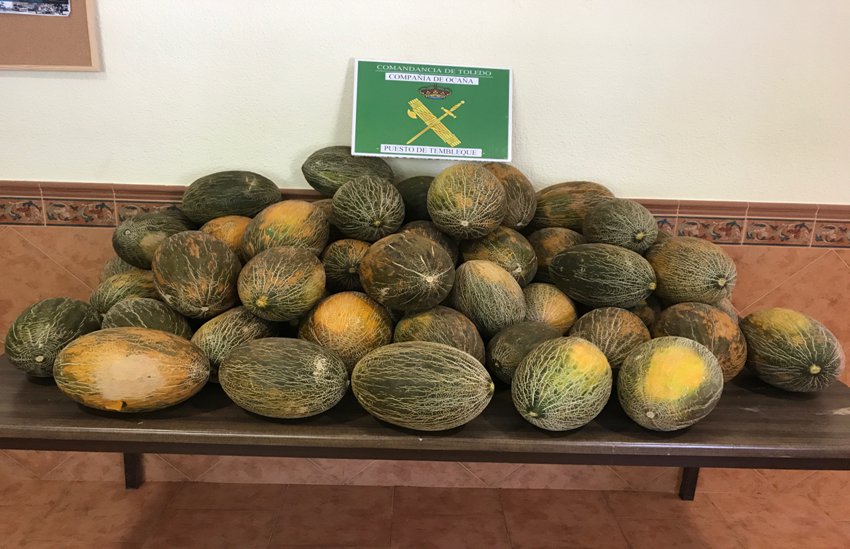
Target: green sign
{"points": [[415, 110]]}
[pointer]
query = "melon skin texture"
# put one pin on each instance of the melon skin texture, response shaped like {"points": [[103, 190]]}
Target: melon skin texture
{"points": [[130, 370], [647, 310], [621, 222], [326, 205], [281, 284], [466, 201], [488, 295], [217, 337], [229, 229], [692, 269], [791, 351], [711, 327], [429, 230], [122, 286], [414, 192], [291, 223], [143, 312], [115, 265], [566, 204], [368, 209], [328, 169], [422, 385], [232, 192], [350, 324], [548, 243], [195, 274], [441, 325], [520, 196], [726, 306], [136, 240], [669, 383], [341, 260], [546, 303], [407, 272], [37, 335], [506, 248], [506, 349], [562, 384], [616, 332], [602, 275]]}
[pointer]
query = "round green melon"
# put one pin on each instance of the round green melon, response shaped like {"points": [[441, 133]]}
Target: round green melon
{"points": [[562, 384], [647, 310], [414, 192], [232, 192], [520, 196], [441, 325], [602, 275], [291, 223], [283, 378], [488, 295], [547, 304], [429, 230], [350, 324], [669, 383], [130, 370], [621, 222], [282, 283], [115, 265], [422, 385], [326, 205], [508, 347], [229, 229], [341, 260], [218, 336], [196, 274], [548, 243], [711, 327], [407, 272], [506, 248], [566, 204], [726, 306], [137, 283], [38, 334], [368, 209], [136, 240], [144, 312], [466, 201], [791, 351], [616, 332], [692, 269], [328, 169]]}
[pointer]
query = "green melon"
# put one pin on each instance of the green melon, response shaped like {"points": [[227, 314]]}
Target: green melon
{"points": [[547, 304], [414, 192], [692, 269], [562, 384], [488, 295], [429, 230], [506, 248], [291, 223], [441, 325], [341, 260], [350, 324], [136, 240], [602, 275], [422, 385], [228, 193], [368, 209], [621, 222], [508, 347], [143, 312], [466, 201], [229, 229], [791, 351], [282, 283], [616, 332], [726, 306], [328, 169], [196, 274], [566, 204], [115, 265], [548, 243], [647, 310], [283, 378], [520, 197], [669, 383], [217, 337], [38, 334], [407, 272], [122, 286], [130, 370], [711, 327]]}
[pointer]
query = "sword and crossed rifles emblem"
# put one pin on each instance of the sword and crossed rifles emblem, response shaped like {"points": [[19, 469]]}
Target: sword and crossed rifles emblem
{"points": [[419, 110]]}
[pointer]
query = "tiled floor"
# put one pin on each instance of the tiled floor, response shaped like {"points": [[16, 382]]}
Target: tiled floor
{"points": [[44, 514]]}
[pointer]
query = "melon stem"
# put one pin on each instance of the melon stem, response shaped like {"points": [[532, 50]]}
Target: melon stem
{"points": [[814, 369]]}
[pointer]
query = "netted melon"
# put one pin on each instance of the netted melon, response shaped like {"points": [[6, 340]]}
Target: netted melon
{"points": [[547, 304], [647, 310], [341, 260], [507, 348], [115, 265], [727, 307], [281, 283], [429, 230], [441, 325], [616, 332], [520, 197], [566, 204], [414, 192], [692, 269], [292, 223], [328, 169], [466, 201], [136, 240], [488, 295], [218, 336], [143, 312], [233, 192], [368, 209], [229, 229], [548, 243], [621, 222], [506, 248], [136, 283]]}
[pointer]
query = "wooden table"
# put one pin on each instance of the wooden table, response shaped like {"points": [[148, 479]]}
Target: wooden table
{"points": [[753, 426]]}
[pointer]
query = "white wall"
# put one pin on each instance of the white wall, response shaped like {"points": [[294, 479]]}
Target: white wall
{"points": [[721, 99]]}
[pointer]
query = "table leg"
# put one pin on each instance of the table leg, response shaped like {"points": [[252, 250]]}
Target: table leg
{"points": [[688, 486], [134, 471]]}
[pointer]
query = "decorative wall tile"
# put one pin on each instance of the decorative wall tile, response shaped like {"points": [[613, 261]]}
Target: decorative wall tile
{"points": [[719, 230], [832, 234], [86, 212], [783, 232], [666, 224], [21, 210], [126, 210]]}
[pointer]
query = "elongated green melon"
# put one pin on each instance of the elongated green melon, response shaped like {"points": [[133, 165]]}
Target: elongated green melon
{"points": [[616, 332], [429, 230], [368, 209], [506, 248], [281, 284], [144, 312], [507, 348], [229, 229], [217, 337], [136, 240], [341, 260], [232, 192], [488, 295], [293, 223], [414, 192], [466, 201], [441, 325], [566, 204], [547, 304], [520, 197], [328, 169], [692, 269], [621, 222], [137, 283], [548, 243]]}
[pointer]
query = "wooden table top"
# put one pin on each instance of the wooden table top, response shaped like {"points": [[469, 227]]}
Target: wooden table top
{"points": [[754, 425]]}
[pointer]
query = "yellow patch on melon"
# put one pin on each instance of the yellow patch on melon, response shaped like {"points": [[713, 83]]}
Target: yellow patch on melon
{"points": [[785, 320], [491, 272], [342, 314], [151, 241], [587, 358], [673, 373]]}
